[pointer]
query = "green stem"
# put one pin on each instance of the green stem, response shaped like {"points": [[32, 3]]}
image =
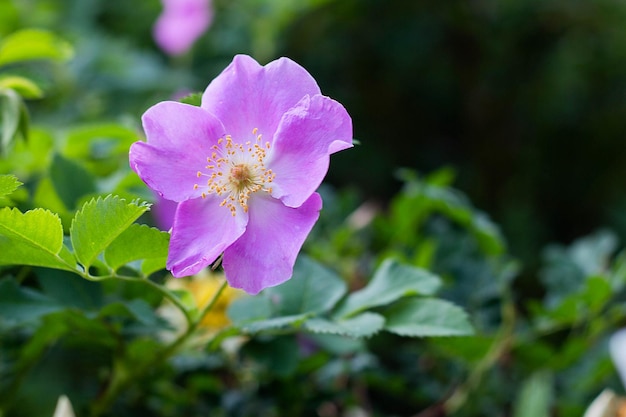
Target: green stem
{"points": [[123, 377]]}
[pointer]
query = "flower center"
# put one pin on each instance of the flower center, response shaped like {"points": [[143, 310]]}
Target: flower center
{"points": [[237, 170]]}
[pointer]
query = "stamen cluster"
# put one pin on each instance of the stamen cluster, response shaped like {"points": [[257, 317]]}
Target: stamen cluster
{"points": [[237, 171]]}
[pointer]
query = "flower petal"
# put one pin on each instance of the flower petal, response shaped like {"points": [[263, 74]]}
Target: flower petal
{"points": [[180, 137], [181, 23], [247, 96], [265, 254], [202, 230], [306, 137]]}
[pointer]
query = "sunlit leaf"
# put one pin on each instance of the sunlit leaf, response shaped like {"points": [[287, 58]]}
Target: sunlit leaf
{"points": [[31, 44], [32, 238], [99, 222], [25, 87], [8, 184]]}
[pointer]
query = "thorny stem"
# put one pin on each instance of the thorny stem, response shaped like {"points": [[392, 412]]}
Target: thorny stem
{"points": [[123, 377]]}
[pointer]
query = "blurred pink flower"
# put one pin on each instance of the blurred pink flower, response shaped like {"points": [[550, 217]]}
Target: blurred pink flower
{"points": [[181, 23]]}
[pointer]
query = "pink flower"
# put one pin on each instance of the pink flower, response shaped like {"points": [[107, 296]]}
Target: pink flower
{"points": [[244, 167], [181, 24]]}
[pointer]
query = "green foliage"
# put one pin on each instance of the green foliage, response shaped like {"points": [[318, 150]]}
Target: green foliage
{"points": [[32, 238], [365, 325], [33, 44], [99, 223], [8, 184]]}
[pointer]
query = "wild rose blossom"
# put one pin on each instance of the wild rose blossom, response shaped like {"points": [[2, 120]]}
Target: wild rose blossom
{"points": [[244, 167], [181, 23]]}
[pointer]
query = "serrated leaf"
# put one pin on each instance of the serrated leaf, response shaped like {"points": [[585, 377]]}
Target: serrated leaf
{"points": [[135, 243], [98, 223], [193, 99], [23, 86], [32, 238], [420, 317], [30, 44], [391, 282], [312, 289], [8, 184], [273, 323], [363, 325]]}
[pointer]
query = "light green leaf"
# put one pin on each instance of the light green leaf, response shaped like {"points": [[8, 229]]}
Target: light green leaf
{"points": [[363, 325], [8, 184], [420, 317], [193, 99], [98, 223], [135, 243], [30, 44], [32, 238], [22, 85], [535, 396], [313, 289], [391, 282], [10, 115]]}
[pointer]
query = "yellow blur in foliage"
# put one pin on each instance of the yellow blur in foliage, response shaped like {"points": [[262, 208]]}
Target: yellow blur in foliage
{"points": [[203, 287]]}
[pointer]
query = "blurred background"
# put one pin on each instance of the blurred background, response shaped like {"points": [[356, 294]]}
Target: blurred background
{"points": [[524, 99]]}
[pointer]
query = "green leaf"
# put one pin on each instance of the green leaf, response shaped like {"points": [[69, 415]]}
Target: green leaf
{"points": [[98, 223], [194, 99], [19, 304], [32, 238], [70, 180], [420, 317], [535, 397], [135, 309], [391, 282], [10, 117], [69, 289], [313, 289], [278, 355], [30, 44], [8, 184], [363, 325], [23, 86], [135, 243], [254, 314]]}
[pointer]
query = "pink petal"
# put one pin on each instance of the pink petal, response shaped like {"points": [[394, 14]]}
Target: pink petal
{"points": [[247, 96], [181, 24], [265, 254], [179, 140], [201, 231], [306, 137]]}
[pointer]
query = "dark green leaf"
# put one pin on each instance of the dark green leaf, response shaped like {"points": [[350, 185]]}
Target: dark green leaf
{"points": [[391, 282], [313, 289], [18, 304], [70, 180], [363, 325]]}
